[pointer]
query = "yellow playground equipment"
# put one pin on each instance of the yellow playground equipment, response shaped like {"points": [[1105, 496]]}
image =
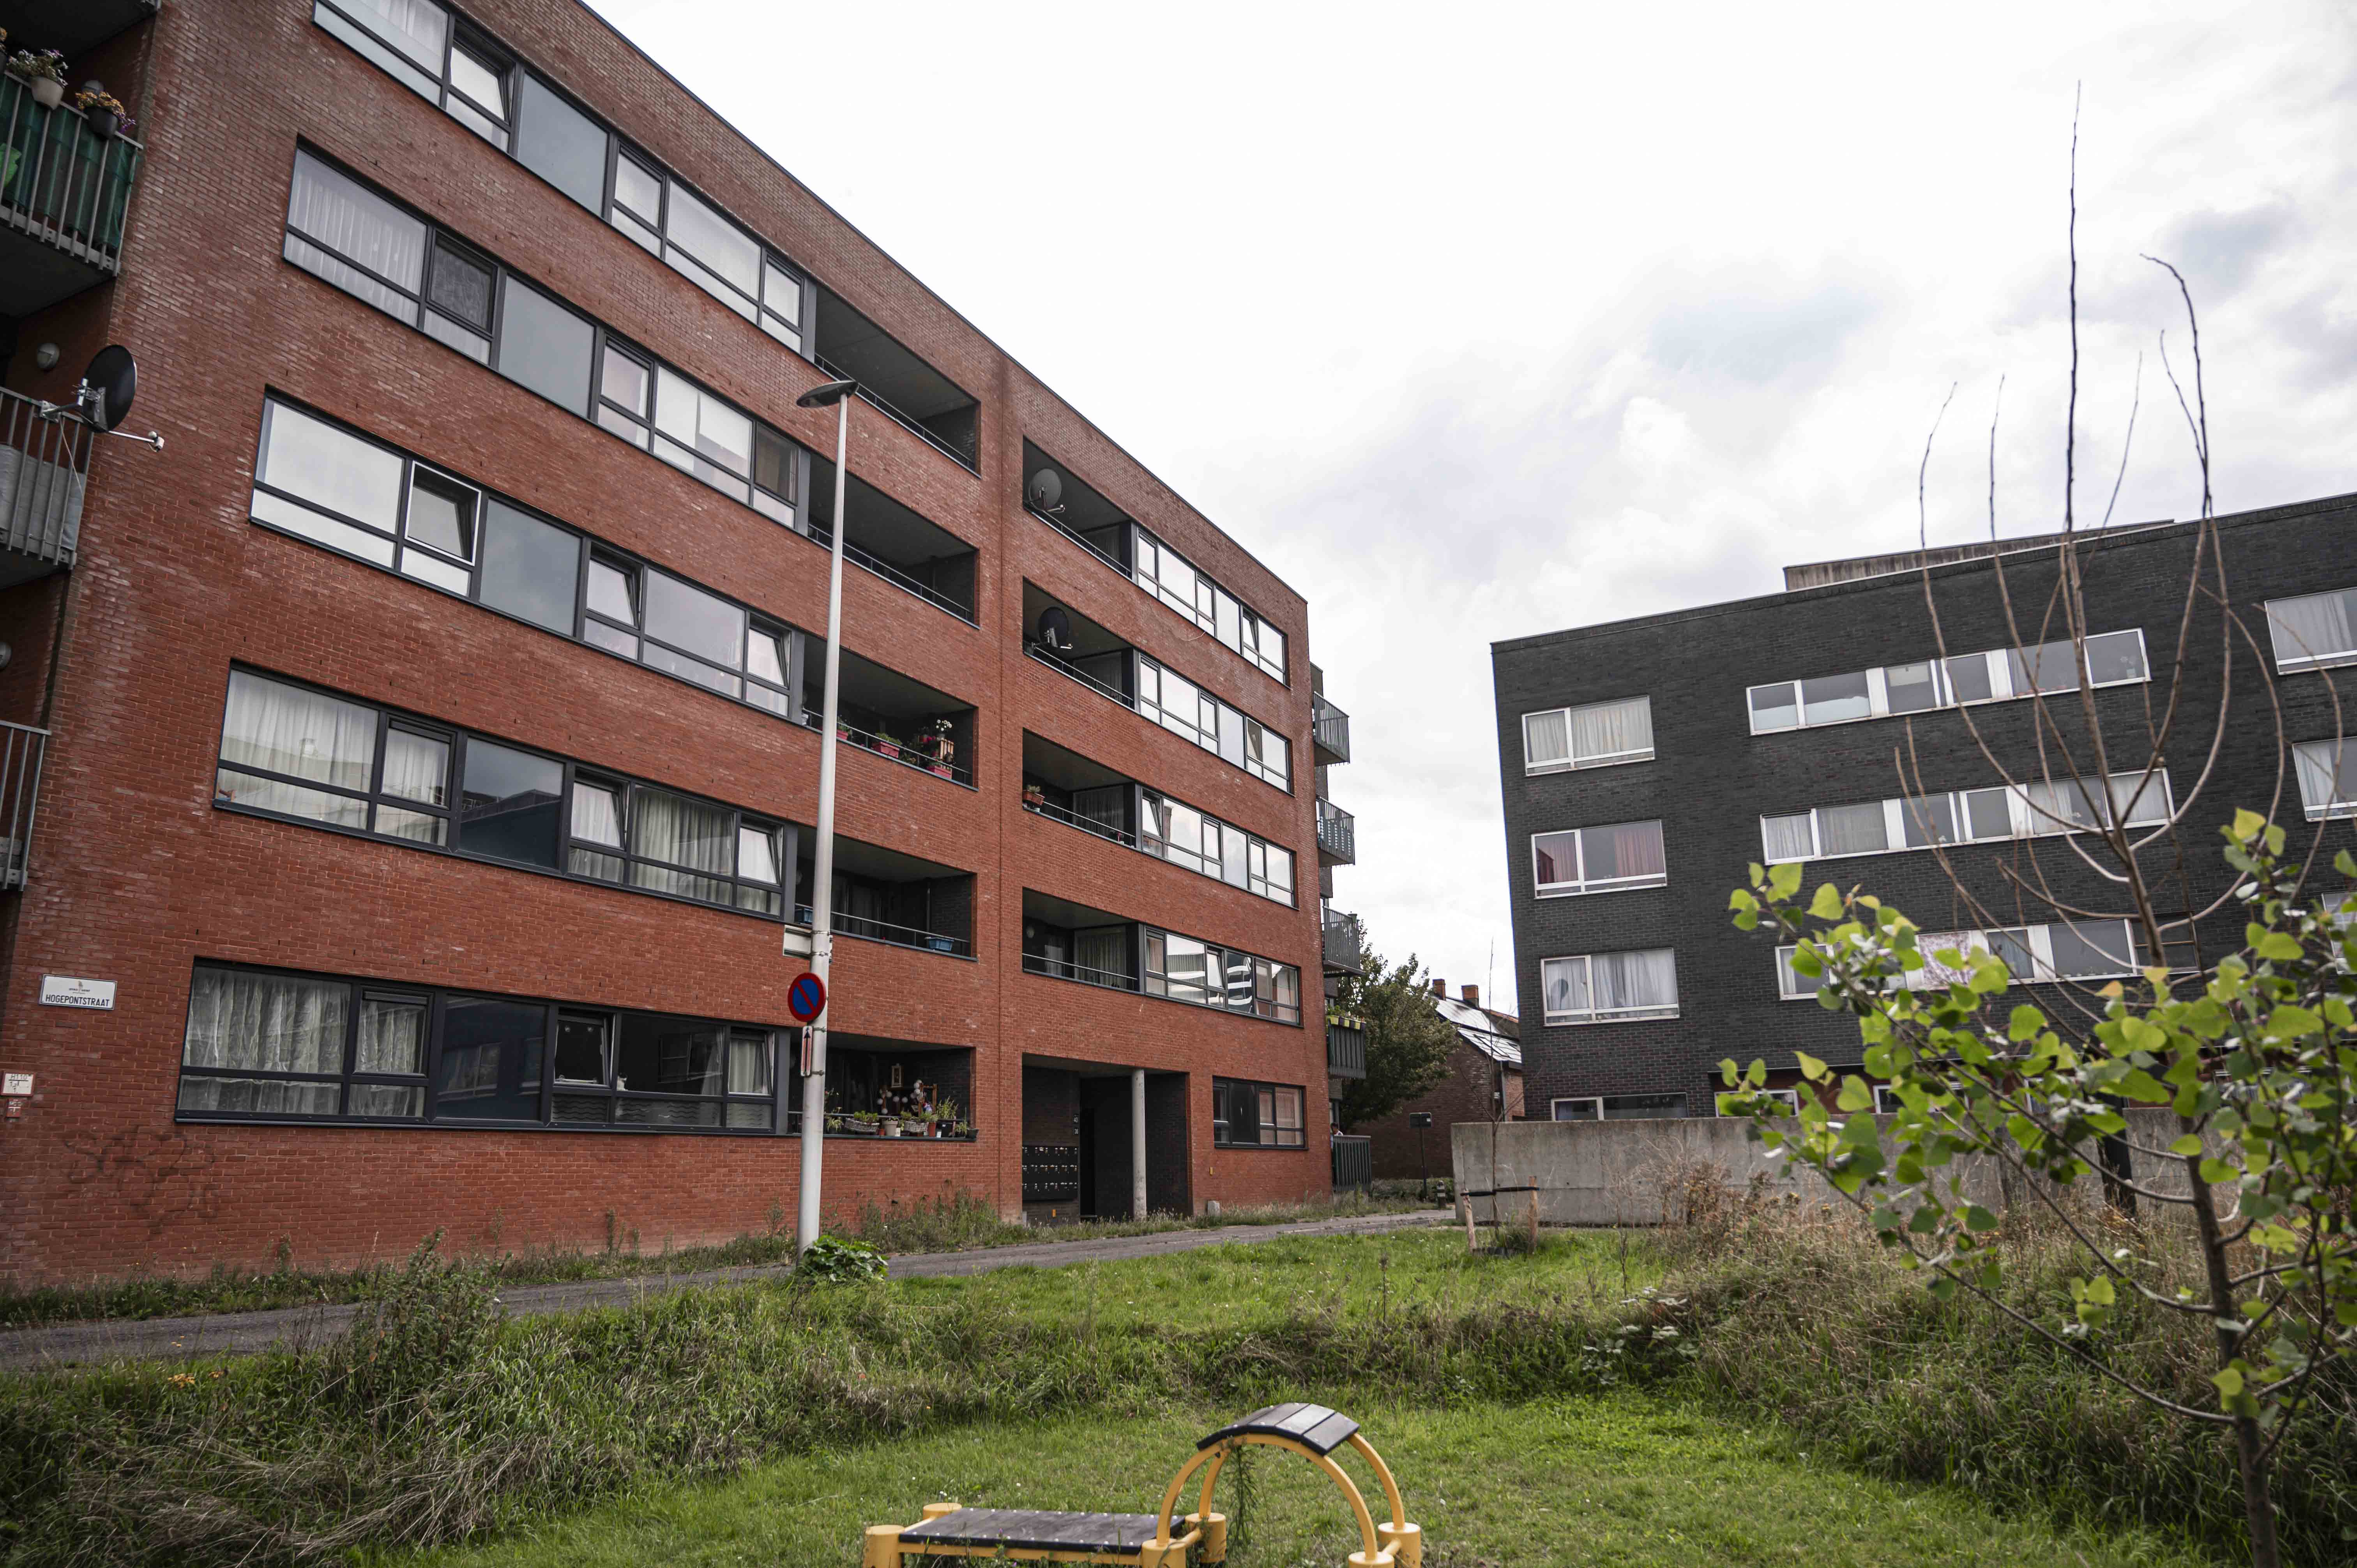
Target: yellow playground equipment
{"points": [[1164, 1539]]}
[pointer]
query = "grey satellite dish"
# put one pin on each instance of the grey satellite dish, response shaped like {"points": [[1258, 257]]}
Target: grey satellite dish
{"points": [[1045, 490], [109, 386], [1055, 631]]}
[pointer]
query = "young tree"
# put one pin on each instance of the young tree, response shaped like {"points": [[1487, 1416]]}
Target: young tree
{"points": [[1408, 1042], [2240, 1025]]}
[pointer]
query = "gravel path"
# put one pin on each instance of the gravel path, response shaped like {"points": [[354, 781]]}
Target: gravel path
{"points": [[240, 1333]]}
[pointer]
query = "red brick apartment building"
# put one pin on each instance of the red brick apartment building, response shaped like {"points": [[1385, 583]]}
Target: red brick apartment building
{"points": [[410, 767]]}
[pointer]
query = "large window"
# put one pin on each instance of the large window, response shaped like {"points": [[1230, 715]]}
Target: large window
{"points": [[2035, 810], [476, 81], [1184, 709], [2328, 777], [1183, 835], [2315, 630], [1608, 988], [2060, 951], [1599, 860], [1171, 578], [265, 1045], [2114, 658], [1186, 969], [296, 752], [1247, 1115], [1595, 735], [355, 238], [1617, 1107], [343, 490]]}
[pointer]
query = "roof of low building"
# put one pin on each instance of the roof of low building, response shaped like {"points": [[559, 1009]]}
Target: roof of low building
{"points": [[1494, 1035]]}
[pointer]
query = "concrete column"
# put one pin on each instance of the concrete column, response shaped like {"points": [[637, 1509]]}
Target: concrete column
{"points": [[1137, 1144]]}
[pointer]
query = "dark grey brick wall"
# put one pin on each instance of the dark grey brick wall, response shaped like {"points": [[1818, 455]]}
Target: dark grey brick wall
{"points": [[1711, 780]]}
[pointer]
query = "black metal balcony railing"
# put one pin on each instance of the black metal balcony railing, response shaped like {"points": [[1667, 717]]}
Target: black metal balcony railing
{"points": [[1065, 969], [1337, 834], [1343, 941], [60, 181], [1329, 731], [1354, 1162], [42, 462], [907, 753], [891, 935], [964, 459], [1070, 817], [22, 748], [894, 576], [1063, 666], [1346, 1050]]}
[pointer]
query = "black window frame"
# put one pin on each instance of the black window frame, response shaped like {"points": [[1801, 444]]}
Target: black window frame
{"points": [[740, 1115], [373, 800], [1225, 1090]]}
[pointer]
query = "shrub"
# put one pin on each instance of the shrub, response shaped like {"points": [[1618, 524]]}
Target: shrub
{"points": [[839, 1261]]}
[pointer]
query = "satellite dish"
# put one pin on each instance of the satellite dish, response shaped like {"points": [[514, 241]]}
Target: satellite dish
{"points": [[109, 385], [1055, 631], [1045, 490]]}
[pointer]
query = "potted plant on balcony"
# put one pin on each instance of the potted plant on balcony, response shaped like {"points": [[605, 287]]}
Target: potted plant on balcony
{"points": [[102, 111], [888, 744], [1034, 798], [44, 70], [936, 747]]}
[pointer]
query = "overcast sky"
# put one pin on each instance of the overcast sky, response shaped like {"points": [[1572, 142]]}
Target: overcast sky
{"points": [[1480, 320]]}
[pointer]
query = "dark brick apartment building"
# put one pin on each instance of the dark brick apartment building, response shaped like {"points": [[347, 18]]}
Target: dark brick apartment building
{"points": [[410, 767], [1648, 762]]}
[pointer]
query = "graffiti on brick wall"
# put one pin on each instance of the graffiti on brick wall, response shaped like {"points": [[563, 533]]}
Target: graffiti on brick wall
{"points": [[161, 1177]]}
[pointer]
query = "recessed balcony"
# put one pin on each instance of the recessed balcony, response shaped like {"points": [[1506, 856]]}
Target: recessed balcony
{"points": [[897, 543], [898, 719], [896, 382], [64, 192], [884, 895]]}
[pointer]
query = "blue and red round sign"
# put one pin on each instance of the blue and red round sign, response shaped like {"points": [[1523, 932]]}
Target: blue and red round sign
{"points": [[806, 998]]}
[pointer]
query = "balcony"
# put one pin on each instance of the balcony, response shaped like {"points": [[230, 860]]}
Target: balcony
{"points": [[1064, 941], [1346, 1050], [22, 749], [63, 193], [1097, 658], [1065, 787], [1337, 835], [901, 546], [896, 382], [1354, 1162], [1329, 732], [1345, 951], [900, 900], [42, 462], [902, 720]]}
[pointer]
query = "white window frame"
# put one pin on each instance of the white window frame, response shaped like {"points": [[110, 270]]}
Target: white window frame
{"points": [[1791, 1097], [1886, 1100], [2000, 663], [1654, 1013], [2288, 663], [2024, 820], [1571, 763], [2039, 940], [1581, 886], [2343, 802], [1595, 1100]]}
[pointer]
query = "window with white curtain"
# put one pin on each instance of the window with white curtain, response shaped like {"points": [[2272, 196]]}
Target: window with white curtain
{"points": [[2314, 630], [1595, 735], [2114, 658], [2328, 777], [263, 1045], [1604, 988], [346, 233], [2042, 954], [1599, 860], [2033, 809]]}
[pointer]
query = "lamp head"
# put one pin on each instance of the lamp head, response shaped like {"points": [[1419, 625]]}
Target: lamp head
{"points": [[827, 395]]}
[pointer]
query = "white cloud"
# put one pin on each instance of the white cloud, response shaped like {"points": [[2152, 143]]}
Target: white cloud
{"points": [[1560, 314]]}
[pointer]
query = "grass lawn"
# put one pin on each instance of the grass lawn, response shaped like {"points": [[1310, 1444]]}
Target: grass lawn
{"points": [[1624, 1480]]}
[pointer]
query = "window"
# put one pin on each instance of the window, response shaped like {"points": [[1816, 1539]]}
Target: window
{"points": [[444, 64], [545, 347], [2075, 950], [2315, 630], [1599, 860], [1619, 1107], [265, 1045], [2033, 809], [1186, 710], [1789, 1097], [559, 143], [1594, 735], [1247, 1115], [1169, 830], [698, 432], [1184, 970], [459, 286], [2328, 778], [2112, 657], [1604, 988], [352, 495], [1171, 578], [290, 751], [355, 239]]}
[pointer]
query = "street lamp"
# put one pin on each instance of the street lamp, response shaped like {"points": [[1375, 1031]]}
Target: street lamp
{"points": [[822, 867]]}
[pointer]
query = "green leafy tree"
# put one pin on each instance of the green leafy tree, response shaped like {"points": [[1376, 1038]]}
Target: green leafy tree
{"points": [[2256, 1063], [1408, 1042]]}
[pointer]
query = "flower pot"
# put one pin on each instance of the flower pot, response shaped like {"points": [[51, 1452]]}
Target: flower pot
{"points": [[889, 748], [941, 768], [49, 91], [891, 1128], [103, 122]]}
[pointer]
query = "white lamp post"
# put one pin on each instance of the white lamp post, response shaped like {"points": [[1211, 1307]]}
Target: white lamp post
{"points": [[823, 864]]}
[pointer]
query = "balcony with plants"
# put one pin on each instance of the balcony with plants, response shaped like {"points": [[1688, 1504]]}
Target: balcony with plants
{"points": [[69, 160], [897, 718]]}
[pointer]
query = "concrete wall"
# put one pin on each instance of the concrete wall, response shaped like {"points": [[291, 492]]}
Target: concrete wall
{"points": [[1635, 1173]]}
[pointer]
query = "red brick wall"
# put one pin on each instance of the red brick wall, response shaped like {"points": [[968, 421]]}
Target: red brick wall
{"points": [[1467, 1094], [135, 875]]}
